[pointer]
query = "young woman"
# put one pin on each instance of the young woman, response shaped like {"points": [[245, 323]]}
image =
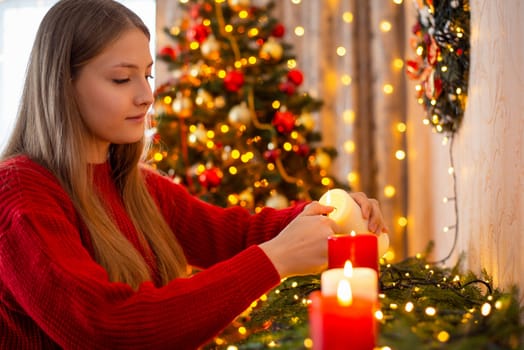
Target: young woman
{"points": [[94, 248]]}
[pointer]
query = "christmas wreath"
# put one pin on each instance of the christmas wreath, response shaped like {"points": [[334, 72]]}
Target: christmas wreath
{"points": [[441, 63]]}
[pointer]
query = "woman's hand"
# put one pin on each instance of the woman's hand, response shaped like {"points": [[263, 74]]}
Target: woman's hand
{"points": [[371, 212], [301, 247]]}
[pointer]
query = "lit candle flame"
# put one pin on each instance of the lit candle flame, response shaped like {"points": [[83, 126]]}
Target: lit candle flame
{"points": [[348, 269], [344, 295]]}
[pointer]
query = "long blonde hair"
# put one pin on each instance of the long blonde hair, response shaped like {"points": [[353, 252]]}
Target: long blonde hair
{"points": [[50, 130]]}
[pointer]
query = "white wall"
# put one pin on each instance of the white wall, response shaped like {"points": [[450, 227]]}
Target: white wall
{"points": [[490, 149], [488, 155]]}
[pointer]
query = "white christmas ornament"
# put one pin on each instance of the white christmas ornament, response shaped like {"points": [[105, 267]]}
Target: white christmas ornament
{"points": [[240, 114], [210, 48], [182, 105], [277, 201]]}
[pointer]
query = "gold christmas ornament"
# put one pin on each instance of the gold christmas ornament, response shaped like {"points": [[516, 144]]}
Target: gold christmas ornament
{"points": [[323, 160], [238, 5], [220, 102], [271, 50], [240, 114], [306, 120], [204, 98], [246, 197], [210, 48], [198, 135], [182, 106]]}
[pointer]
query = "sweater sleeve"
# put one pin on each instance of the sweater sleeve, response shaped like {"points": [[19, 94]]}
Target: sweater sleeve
{"points": [[52, 278], [209, 234]]}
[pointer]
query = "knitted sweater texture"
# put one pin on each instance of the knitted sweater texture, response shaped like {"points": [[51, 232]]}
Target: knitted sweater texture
{"points": [[53, 294]]}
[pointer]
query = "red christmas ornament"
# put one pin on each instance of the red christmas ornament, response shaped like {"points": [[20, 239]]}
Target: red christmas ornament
{"points": [[198, 32], [278, 31], [433, 51], [438, 87], [210, 178], [194, 12], [271, 155], [284, 122], [416, 28], [234, 80], [253, 10], [433, 86], [427, 38], [287, 87], [413, 69], [302, 150], [295, 76], [168, 52]]}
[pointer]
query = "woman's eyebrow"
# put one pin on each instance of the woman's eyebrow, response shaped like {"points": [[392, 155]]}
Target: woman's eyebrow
{"points": [[130, 65]]}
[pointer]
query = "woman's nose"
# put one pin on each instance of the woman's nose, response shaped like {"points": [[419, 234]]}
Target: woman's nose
{"points": [[145, 94]]}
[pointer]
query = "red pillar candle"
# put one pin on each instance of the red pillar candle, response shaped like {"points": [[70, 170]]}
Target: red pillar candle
{"points": [[348, 216], [341, 327], [360, 249]]}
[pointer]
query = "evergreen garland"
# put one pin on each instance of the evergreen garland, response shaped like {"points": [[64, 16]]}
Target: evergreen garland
{"points": [[468, 312]]}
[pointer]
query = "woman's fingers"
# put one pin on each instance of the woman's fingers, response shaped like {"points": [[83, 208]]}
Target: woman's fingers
{"points": [[315, 208], [370, 211]]}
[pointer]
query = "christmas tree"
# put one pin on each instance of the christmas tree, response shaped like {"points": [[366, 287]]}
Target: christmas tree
{"points": [[232, 124]]}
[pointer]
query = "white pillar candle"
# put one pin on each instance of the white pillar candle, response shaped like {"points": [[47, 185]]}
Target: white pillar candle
{"points": [[383, 243], [347, 213], [348, 216], [363, 281]]}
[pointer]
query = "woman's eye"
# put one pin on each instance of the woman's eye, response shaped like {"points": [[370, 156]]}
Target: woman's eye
{"points": [[120, 81], [149, 77]]}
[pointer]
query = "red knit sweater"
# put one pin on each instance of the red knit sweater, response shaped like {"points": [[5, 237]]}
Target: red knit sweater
{"points": [[54, 295]]}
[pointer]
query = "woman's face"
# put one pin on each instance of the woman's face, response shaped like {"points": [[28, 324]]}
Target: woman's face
{"points": [[113, 93]]}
